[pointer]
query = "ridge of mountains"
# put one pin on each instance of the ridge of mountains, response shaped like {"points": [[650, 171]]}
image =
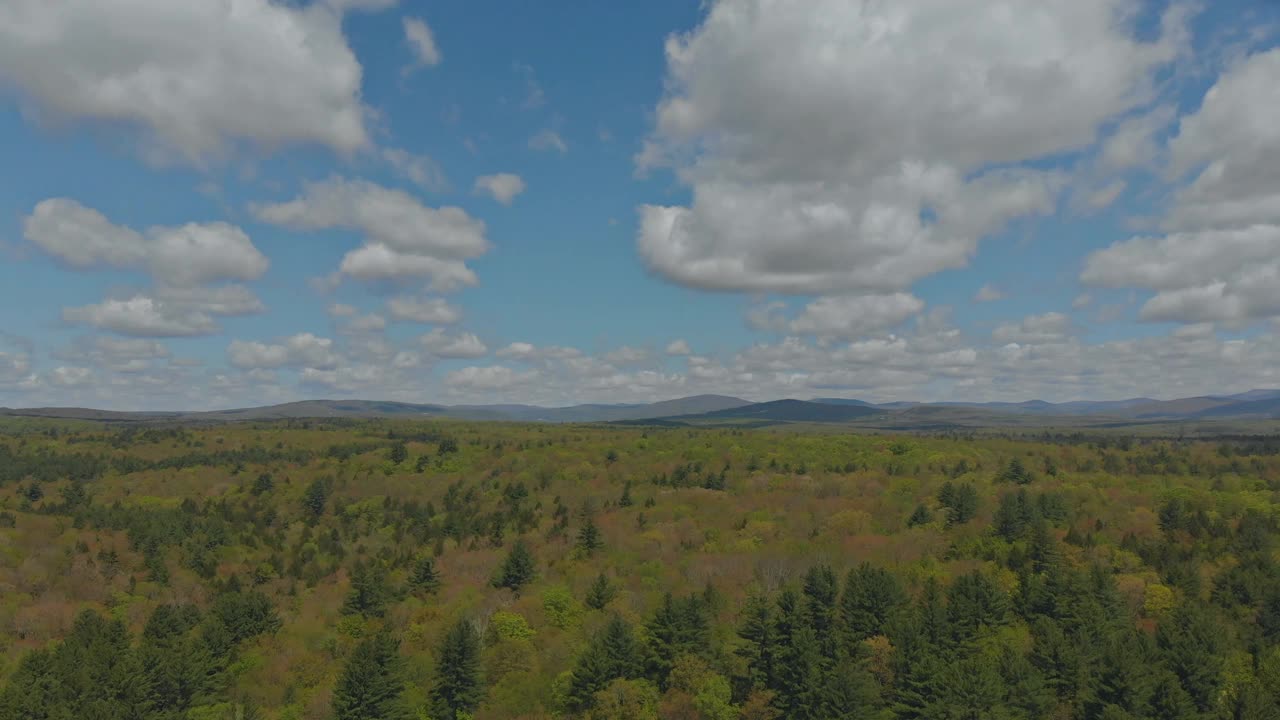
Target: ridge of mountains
{"points": [[721, 409]]}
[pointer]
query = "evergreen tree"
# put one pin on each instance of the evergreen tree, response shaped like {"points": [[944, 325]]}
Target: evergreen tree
{"points": [[458, 685], [517, 570], [920, 516], [960, 500], [820, 594], [970, 689], [589, 540], [369, 593], [974, 601], [399, 452], [263, 484], [872, 597], [315, 497], [626, 501], [371, 685], [613, 654], [425, 577], [679, 627], [760, 649], [1123, 681], [600, 593], [1189, 642]]}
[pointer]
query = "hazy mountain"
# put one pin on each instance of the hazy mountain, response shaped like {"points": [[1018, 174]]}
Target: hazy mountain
{"points": [[790, 411], [1252, 405]]}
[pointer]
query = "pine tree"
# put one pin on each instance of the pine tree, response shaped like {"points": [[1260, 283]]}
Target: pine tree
{"points": [[399, 452], [625, 500], [1189, 641], [920, 516], [369, 593], [613, 654], [679, 627], [589, 540], [872, 597], [425, 577], [517, 570], [600, 593], [371, 685], [315, 497], [819, 606], [759, 650], [458, 684]]}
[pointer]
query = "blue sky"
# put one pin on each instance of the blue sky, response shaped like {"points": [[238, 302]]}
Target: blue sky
{"points": [[211, 205]]}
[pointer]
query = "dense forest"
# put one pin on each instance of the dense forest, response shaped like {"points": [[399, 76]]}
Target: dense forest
{"points": [[446, 570]]}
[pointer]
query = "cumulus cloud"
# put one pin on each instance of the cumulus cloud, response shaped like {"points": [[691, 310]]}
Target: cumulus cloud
{"points": [[404, 239], [1212, 275], [988, 293], [461, 345], [548, 139], [679, 347], [303, 350], [839, 146], [191, 254], [1035, 329], [1220, 261], [493, 377], [421, 170], [142, 316], [503, 187], [428, 311], [123, 355], [195, 76], [422, 43], [839, 316], [1233, 153], [70, 376]]}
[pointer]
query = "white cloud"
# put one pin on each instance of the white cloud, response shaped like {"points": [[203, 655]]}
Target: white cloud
{"points": [[342, 310], [490, 378], [404, 240], [1133, 143], [988, 293], [371, 323], [534, 97], [226, 300], [422, 42], [428, 311], [503, 187], [461, 345], [196, 76], [529, 352], [1220, 262], [548, 139], [1035, 329], [678, 347], [1213, 275], [421, 170], [1081, 301], [343, 6], [1105, 196], [303, 350], [836, 146], [142, 316], [839, 316], [627, 355], [70, 376], [82, 237], [182, 256], [1232, 149]]}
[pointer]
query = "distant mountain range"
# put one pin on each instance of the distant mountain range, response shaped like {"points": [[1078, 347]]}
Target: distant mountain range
{"points": [[721, 409]]}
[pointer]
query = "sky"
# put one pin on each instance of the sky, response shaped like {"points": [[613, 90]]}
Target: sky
{"points": [[222, 203]]}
